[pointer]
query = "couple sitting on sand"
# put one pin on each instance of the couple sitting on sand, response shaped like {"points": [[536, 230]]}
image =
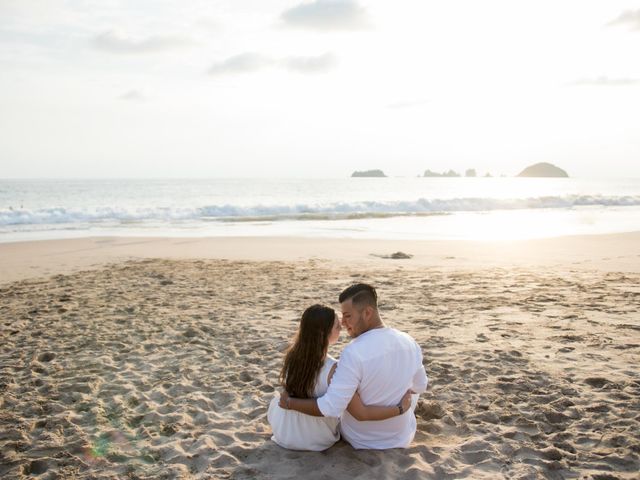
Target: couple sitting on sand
{"points": [[369, 396]]}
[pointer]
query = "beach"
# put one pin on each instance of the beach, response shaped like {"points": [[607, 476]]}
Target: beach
{"points": [[134, 357], [181, 181]]}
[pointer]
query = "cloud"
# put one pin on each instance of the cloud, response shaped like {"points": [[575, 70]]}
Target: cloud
{"points": [[318, 64], [629, 18], [326, 15], [243, 63], [251, 62], [132, 96], [605, 82], [117, 42]]}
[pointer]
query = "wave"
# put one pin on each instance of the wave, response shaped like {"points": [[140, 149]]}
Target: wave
{"points": [[335, 211]]}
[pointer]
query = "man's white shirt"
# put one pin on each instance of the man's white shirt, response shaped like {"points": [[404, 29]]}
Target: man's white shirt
{"points": [[381, 364]]}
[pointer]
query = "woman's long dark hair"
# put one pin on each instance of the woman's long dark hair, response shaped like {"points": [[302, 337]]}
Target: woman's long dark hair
{"points": [[305, 356]]}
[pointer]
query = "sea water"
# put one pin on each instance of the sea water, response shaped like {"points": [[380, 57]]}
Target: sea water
{"points": [[392, 208]]}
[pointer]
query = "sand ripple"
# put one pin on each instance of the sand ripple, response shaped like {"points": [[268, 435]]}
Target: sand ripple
{"points": [[164, 369]]}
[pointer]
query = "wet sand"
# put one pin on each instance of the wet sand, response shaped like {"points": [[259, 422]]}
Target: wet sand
{"points": [[613, 253]]}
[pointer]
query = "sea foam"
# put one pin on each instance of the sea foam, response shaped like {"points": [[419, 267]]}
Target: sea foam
{"points": [[301, 211]]}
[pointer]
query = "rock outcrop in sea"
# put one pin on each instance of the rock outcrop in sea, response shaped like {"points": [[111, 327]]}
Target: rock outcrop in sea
{"points": [[543, 169], [450, 173], [369, 173]]}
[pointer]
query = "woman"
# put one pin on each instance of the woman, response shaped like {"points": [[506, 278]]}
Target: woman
{"points": [[306, 373]]}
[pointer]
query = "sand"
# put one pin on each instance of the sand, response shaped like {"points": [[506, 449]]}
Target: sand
{"points": [[148, 361], [612, 253]]}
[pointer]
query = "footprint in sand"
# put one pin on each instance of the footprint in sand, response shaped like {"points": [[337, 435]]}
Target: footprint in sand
{"points": [[596, 382], [36, 467], [46, 357], [429, 410]]}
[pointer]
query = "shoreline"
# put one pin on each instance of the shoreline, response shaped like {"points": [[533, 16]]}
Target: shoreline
{"points": [[41, 258]]}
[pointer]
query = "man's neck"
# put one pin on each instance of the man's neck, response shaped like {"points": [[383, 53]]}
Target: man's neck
{"points": [[377, 325]]}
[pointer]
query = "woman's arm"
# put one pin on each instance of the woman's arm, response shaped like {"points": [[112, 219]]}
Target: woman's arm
{"points": [[362, 412]]}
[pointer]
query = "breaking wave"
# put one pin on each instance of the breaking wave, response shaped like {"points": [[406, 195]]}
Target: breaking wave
{"points": [[334, 211]]}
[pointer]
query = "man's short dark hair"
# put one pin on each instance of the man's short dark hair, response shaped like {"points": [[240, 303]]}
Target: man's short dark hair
{"points": [[361, 294]]}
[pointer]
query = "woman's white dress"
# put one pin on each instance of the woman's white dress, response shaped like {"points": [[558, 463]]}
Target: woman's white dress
{"points": [[297, 431]]}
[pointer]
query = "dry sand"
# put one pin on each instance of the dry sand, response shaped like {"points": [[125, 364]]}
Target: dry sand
{"points": [[164, 367]]}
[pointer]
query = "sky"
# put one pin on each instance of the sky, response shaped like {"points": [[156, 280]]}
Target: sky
{"points": [[320, 88]]}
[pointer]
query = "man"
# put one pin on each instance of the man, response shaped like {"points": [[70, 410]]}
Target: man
{"points": [[381, 364]]}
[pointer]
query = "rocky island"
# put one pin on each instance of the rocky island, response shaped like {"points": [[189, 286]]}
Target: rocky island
{"points": [[543, 169], [369, 173], [450, 173]]}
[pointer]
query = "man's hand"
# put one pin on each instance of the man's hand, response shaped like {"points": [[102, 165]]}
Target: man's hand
{"points": [[284, 400], [406, 400]]}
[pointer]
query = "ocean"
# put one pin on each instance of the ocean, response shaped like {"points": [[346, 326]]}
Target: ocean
{"points": [[389, 208]]}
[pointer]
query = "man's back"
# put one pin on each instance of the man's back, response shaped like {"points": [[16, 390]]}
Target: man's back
{"points": [[382, 363]]}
